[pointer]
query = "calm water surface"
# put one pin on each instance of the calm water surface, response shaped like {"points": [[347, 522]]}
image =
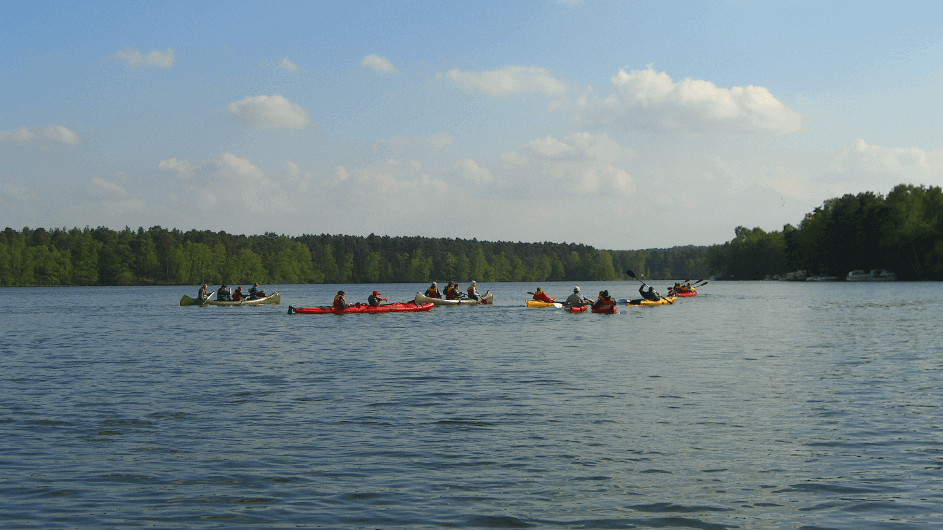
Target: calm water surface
{"points": [[753, 405]]}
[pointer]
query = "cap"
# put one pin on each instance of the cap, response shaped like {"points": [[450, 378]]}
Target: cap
{"points": [[340, 292], [434, 284], [376, 292], [576, 289], [474, 282]]}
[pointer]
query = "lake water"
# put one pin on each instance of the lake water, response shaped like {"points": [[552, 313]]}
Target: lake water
{"points": [[752, 405]]}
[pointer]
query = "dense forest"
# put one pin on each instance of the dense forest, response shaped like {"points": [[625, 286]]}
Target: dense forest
{"points": [[902, 232], [101, 256]]}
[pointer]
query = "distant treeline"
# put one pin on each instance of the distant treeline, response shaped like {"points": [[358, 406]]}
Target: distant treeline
{"points": [[902, 232], [102, 256]]}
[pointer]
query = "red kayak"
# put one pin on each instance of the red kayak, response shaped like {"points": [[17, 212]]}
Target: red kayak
{"points": [[398, 307], [608, 309], [682, 294], [576, 308]]}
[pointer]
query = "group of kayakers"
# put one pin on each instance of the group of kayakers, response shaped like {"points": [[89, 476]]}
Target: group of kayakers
{"points": [[226, 294], [453, 291], [340, 299], [577, 299]]}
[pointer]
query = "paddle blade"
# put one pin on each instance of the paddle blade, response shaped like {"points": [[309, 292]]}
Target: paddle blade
{"points": [[631, 274]]}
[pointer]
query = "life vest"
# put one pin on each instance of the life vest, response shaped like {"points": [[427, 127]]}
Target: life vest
{"points": [[236, 296], [433, 293], [471, 290], [338, 303], [451, 293]]}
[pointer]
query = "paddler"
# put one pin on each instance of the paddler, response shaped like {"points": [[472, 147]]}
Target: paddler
{"points": [[339, 301], [374, 299], [451, 291], [433, 291], [473, 290], [576, 299], [223, 293], [255, 292], [603, 300], [201, 294], [541, 296], [650, 294]]}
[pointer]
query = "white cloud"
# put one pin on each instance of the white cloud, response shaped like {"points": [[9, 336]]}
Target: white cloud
{"points": [[285, 63], [183, 168], [241, 178], [270, 112], [574, 164], [581, 145], [109, 197], [508, 80], [55, 133], [133, 58], [651, 102], [378, 63], [514, 159], [292, 168], [894, 161], [471, 171], [549, 147], [103, 188]]}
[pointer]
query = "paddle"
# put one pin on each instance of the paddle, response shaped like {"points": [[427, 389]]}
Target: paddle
{"points": [[632, 275]]}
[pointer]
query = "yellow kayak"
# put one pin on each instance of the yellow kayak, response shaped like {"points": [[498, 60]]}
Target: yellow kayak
{"points": [[538, 303], [663, 301]]}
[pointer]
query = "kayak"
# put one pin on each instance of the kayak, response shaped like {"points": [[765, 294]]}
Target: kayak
{"points": [[273, 298], [609, 309], [485, 299], [398, 307], [576, 308], [538, 303], [683, 294], [663, 301]]}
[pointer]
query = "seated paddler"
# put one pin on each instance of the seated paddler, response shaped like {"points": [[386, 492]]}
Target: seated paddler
{"points": [[433, 291], [650, 294], [473, 290], [374, 299], [576, 299], [223, 293], [541, 296], [340, 302], [255, 292]]}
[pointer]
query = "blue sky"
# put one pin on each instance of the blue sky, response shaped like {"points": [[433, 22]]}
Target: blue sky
{"points": [[616, 124]]}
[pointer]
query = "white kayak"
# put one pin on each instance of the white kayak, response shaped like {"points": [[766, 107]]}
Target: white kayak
{"points": [[485, 299]]}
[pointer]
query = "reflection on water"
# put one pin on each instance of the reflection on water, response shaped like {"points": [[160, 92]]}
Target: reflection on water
{"points": [[752, 405]]}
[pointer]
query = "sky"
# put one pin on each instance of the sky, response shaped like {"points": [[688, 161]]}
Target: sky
{"points": [[621, 125]]}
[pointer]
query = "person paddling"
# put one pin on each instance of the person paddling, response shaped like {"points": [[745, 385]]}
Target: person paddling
{"points": [[374, 299], [340, 302], [473, 290], [255, 292], [603, 300], [650, 294], [223, 293], [433, 291], [541, 296], [576, 299], [201, 294]]}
